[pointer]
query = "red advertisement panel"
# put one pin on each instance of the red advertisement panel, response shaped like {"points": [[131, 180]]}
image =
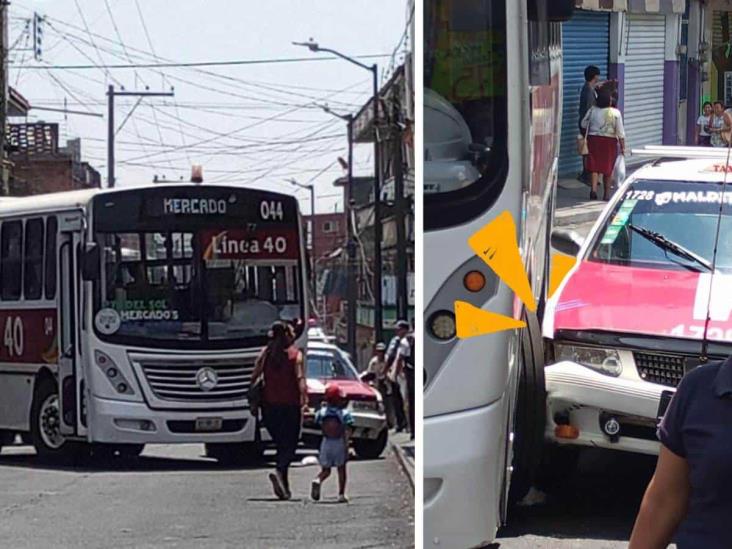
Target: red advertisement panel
{"points": [[28, 336], [258, 244]]}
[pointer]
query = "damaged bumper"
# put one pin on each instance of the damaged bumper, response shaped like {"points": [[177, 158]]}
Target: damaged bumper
{"points": [[608, 412]]}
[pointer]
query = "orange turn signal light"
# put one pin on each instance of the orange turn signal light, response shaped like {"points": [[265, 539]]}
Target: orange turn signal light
{"points": [[474, 281], [566, 431]]}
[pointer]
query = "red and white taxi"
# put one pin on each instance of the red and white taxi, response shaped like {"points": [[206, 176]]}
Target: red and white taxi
{"points": [[326, 364], [646, 299]]}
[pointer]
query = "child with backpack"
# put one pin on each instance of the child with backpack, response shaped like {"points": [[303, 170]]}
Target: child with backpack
{"points": [[336, 423]]}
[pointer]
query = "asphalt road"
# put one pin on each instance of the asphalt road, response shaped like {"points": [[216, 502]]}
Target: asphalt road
{"points": [[594, 508], [173, 497]]}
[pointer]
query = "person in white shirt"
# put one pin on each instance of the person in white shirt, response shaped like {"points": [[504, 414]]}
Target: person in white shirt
{"points": [[392, 371], [703, 123], [604, 126]]}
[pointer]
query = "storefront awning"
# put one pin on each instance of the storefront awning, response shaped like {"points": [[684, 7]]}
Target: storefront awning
{"points": [[634, 6]]}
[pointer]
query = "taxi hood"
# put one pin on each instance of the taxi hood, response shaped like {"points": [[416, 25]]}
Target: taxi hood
{"points": [[632, 300], [354, 389]]}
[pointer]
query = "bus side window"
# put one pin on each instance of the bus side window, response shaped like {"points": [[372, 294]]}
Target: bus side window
{"points": [[11, 245], [50, 266], [33, 272]]}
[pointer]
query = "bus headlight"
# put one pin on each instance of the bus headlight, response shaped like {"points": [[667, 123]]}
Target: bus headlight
{"points": [[442, 325], [114, 376], [605, 361]]}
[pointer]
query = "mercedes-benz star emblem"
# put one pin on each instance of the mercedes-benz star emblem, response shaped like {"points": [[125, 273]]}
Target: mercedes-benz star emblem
{"points": [[207, 379]]}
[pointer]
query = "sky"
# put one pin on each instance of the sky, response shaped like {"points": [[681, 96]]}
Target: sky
{"points": [[257, 125]]}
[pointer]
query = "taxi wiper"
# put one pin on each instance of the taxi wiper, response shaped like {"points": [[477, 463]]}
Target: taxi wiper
{"points": [[671, 246]]}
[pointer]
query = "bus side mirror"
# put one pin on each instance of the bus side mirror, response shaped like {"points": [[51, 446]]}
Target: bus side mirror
{"points": [[567, 242], [90, 262]]}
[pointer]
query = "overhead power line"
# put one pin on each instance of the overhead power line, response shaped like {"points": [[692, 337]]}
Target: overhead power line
{"points": [[196, 63]]}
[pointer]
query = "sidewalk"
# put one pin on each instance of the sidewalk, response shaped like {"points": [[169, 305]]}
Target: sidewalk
{"points": [[574, 206], [403, 448]]}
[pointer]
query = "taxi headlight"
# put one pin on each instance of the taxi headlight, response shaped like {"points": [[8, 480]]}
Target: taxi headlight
{"points": [[605, 361]]}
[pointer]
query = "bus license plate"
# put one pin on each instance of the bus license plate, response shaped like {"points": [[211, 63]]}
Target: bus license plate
{"points": [[209, 423]]}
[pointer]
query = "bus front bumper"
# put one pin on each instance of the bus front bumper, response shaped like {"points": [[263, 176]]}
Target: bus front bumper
{"points": [[464, 455], [124, 422]]}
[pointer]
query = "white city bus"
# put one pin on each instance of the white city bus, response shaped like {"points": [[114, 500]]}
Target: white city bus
{"points": [[135, 316], [492, 108]]}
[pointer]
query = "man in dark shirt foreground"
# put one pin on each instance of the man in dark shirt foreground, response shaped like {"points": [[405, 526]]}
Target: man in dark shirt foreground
{"points": [[690, 493]]}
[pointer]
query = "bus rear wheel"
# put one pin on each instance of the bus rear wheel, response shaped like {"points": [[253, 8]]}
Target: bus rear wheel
{"points": [[530, 415]]}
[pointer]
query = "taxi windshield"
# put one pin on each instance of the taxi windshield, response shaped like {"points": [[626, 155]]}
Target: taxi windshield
{"points": [[668, 225]]}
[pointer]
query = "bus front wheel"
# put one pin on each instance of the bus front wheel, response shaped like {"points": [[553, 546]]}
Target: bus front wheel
{"points": [[45, 431], [530, 415]]}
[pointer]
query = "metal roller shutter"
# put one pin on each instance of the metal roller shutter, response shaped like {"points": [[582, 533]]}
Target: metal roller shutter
{"points": [[643, 99], [585, 41]]}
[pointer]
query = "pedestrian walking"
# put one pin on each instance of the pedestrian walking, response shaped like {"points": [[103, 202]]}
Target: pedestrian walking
{"points": [[405, 367], [336, 424], [284, 396], [587, 98], [395, 395], [377, 367], [603, 125], [703, 124], [690, 493], [717, 125]]}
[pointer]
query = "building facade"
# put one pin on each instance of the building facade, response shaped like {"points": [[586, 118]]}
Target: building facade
{"points": [[39, 165]]}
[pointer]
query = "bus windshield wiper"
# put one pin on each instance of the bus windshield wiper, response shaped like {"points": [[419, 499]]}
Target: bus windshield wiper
{"points": [[671, 246]]}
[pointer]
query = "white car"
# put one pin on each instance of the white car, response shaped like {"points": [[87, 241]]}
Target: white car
{"points": [[326, 364], [629, 320]]}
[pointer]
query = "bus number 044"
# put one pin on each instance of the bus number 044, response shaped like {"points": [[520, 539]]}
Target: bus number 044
{"points": [[271, 210], [13, 336]]}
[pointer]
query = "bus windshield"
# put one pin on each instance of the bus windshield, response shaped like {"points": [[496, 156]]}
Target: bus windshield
{"points": [[215, 278], [465, 91]]}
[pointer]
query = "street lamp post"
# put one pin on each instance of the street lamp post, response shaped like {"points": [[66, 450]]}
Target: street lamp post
{"points": [[351, 289], [378, 310], [310, 187]]}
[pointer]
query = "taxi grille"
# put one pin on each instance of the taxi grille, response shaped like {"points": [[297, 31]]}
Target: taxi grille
{"points": [[662, 369], [176, 381]]}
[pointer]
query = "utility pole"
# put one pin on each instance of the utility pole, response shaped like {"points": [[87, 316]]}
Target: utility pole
{"points": [[351, 289], [111, 131], [402, 301], [4, 90], [348, 208], [378, 305]]}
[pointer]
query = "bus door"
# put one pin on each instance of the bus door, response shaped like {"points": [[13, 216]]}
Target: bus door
{"points": [[70, 372]]}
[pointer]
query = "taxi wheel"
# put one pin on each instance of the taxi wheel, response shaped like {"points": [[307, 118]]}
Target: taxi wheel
{"points": [[371, 449], [530, 415]]}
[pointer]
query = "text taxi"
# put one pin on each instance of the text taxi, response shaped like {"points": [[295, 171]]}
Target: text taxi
{"points": [[647, 299]]}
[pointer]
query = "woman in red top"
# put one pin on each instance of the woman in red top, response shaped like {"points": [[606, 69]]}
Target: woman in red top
{"points": [[284, 396]]}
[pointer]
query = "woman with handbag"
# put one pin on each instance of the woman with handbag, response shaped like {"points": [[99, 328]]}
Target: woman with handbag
{"points": [[604, 131], [279, 375]]}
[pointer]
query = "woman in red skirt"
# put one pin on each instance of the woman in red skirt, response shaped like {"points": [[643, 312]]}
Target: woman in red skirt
{"points": [[605, 134]]}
